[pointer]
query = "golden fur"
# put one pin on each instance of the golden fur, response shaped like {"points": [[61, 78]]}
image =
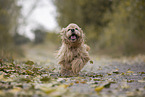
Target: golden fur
{"points": [[73, 53]]}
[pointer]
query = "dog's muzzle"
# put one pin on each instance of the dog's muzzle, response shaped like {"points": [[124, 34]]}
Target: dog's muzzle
{"points": [[73, 36], [72, 30]]}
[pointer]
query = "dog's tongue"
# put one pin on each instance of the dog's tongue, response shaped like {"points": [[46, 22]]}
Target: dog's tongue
{"points": [[73, 37]]}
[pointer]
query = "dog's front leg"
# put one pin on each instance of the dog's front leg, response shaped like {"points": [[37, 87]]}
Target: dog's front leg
{"points": [[77, 65], [66, 70]]}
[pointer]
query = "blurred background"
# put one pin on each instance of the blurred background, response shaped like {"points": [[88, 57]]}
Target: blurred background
{"points": [[30, 28]]}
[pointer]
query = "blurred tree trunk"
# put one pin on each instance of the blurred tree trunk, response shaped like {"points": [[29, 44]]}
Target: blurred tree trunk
{"points": [[9, 13]]}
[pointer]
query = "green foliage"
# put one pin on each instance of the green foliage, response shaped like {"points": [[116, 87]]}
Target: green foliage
{"points": [[125, 32]]}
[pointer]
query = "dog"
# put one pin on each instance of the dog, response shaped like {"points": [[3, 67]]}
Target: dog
{"points": [[73, 53]]}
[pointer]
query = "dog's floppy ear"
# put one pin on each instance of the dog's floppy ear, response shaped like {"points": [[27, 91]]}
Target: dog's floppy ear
{"points": [[83, 35], [62, 31]]}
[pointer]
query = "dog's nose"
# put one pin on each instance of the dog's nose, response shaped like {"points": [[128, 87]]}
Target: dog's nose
{"points": [[72, 30]]}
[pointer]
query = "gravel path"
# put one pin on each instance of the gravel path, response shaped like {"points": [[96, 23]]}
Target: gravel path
{"points": [[119, 77], [124, 77]]}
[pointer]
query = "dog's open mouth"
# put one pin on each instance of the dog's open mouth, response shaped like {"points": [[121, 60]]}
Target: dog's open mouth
{"points": [[73, 37]]}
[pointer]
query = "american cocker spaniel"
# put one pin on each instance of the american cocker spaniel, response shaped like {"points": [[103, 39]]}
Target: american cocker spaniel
{"points": [[73, 53]]}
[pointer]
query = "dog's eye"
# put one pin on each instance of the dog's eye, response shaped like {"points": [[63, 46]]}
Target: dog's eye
{"points": [[68, 29], [76, 28]]}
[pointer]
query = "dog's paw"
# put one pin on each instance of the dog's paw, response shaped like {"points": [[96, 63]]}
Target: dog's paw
{"points": [[66, 72]]}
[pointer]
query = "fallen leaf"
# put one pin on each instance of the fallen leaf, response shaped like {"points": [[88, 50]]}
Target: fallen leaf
{"points": [[109, 73], [47, 90], [15, 90], [116, 72], [99, 88], [77, 82], [129, 72], [1, 76], [129, 81], [83, 82], [64, 85], [130, 94], [141, 81], [29, 62], [91, 62], [59, 92], [97, 79], [125, 86], [107, 85], [71, 84], [45, 79], [1, 93], [117, 69]]}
